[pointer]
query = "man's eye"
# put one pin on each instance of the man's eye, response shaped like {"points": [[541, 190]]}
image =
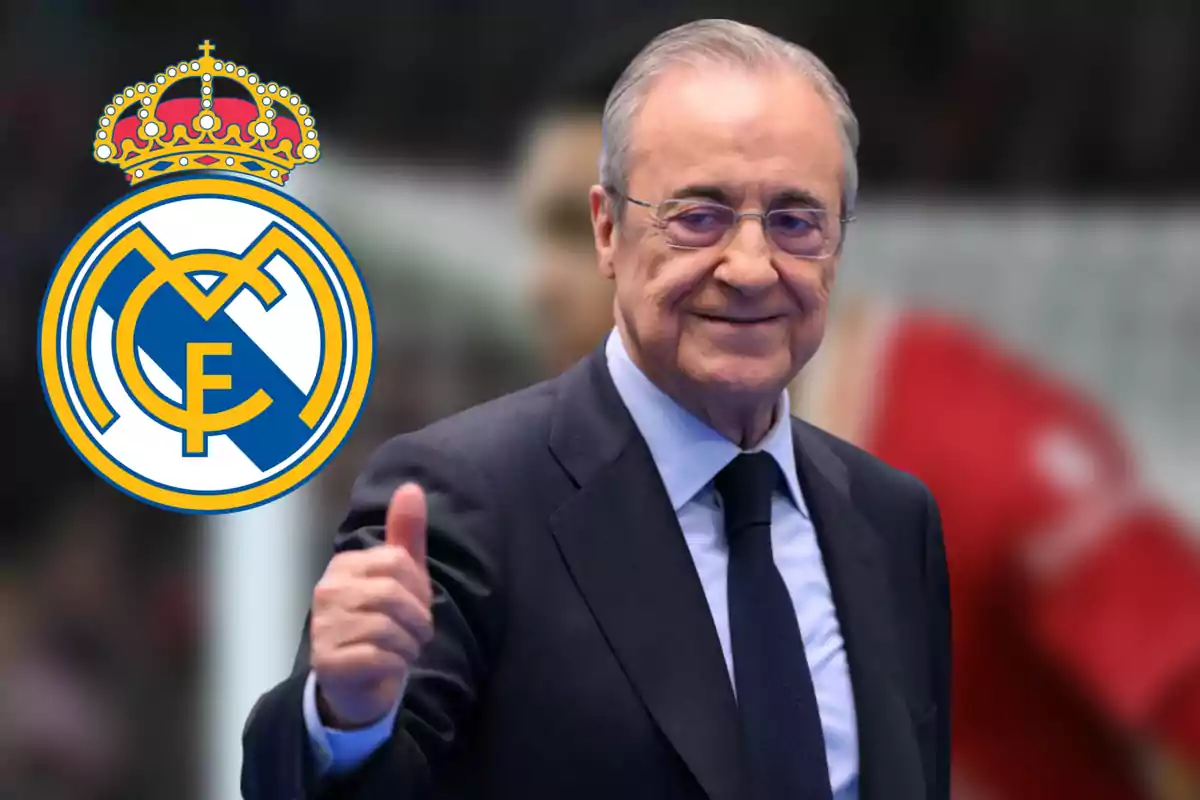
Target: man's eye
{"points": [[795, 223], [700, 219]]}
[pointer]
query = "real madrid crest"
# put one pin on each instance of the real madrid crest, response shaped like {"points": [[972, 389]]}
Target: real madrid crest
{"points": [[206, 342]]}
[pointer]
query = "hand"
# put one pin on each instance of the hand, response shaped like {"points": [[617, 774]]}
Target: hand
{"points": [[371, 615]]}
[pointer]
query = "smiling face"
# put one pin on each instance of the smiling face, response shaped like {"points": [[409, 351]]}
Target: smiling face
{"points": [[729, 324]]}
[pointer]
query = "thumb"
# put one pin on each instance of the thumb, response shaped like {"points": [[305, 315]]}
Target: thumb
{"points": [[406, 518]]}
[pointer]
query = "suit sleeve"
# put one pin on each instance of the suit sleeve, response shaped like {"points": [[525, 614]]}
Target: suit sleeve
{"points": [[464, 559], [937, 582]]}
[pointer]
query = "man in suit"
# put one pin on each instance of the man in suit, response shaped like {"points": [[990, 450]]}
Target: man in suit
{"points": [[1078, 680], [644, 579]]}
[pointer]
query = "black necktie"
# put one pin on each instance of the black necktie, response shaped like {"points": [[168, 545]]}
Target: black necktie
{"points": [[780, 721]]}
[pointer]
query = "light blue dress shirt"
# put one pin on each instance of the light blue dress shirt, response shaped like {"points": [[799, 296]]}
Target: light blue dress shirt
{"points": [[689, 454]]}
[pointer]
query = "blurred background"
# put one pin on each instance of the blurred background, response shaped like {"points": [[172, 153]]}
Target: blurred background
{"points": [[1030, 171]]}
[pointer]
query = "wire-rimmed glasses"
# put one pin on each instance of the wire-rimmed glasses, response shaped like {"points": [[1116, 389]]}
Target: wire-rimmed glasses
{"points": [[810, 233]]}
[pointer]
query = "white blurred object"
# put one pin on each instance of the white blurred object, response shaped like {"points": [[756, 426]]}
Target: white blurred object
{"points": [[466, 226], [257, 570]]}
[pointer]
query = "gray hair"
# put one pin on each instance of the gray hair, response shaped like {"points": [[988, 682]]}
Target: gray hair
{"points": [[718, 42]]}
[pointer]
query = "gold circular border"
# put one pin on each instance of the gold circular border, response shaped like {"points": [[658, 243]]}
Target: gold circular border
{"points": [[108, 467]]}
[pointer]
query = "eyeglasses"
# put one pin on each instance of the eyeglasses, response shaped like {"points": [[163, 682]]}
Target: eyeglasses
{"points": [[810, 233]]}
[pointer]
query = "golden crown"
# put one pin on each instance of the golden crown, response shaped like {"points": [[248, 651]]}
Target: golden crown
{"points": [[265, 132]]}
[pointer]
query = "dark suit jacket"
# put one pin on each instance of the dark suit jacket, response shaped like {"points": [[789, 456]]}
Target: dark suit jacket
{"points": [[575, 656]]}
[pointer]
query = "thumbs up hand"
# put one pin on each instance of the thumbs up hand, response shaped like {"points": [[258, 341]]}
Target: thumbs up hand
{"points": [[371, 615]]}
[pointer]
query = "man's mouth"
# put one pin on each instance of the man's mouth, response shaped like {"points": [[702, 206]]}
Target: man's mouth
{"points": [[740, 319]]}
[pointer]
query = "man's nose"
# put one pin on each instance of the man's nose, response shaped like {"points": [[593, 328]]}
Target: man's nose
{"points": [[746, 263]]}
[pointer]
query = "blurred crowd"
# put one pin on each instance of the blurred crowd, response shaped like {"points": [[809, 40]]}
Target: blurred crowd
{"points": [[102, 635]]}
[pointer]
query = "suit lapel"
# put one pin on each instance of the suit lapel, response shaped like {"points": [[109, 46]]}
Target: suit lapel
{"points": [[889, 758], [622, 543]]}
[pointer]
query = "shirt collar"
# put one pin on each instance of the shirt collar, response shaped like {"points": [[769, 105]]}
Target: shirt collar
{"points": [[687, 452]]}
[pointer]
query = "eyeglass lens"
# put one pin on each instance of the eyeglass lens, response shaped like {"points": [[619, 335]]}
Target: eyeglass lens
{"points": [[798, 231]]}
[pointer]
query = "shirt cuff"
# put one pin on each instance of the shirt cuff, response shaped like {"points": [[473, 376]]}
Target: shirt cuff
{"points": [[340, 751]]}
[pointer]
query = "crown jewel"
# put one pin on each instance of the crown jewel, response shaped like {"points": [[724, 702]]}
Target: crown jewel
{"points": [[259, 129]]}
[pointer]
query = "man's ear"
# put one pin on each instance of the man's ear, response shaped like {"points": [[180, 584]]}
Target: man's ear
{"points": [[604, 228]]}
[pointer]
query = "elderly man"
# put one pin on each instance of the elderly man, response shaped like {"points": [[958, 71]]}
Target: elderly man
{"points": [[1069, 659], [644, 578]]}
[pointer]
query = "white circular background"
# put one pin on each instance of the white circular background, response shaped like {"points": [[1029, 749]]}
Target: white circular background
{"points": [[289, 334]]}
